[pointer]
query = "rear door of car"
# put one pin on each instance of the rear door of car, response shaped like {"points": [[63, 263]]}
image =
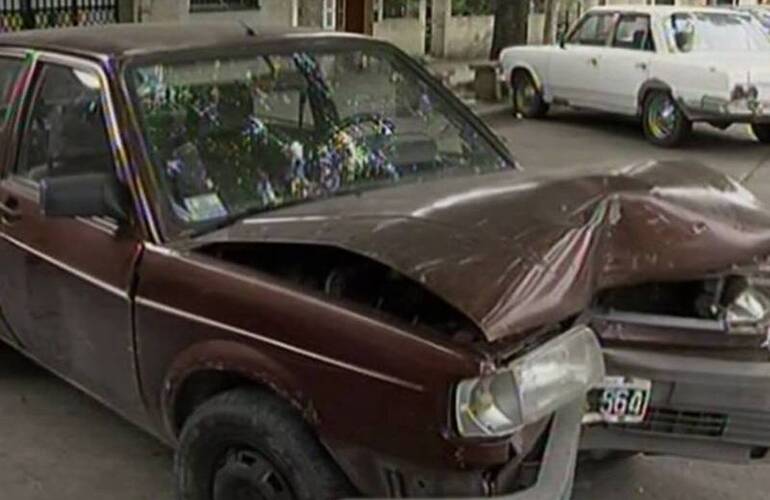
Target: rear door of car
{"points": [[626, 64], [65, 287], [574, 70]]}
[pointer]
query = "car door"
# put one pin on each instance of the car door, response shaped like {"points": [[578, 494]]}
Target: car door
{"points": [[626, 64], [12, 66], [66, 283], [574, 70]]}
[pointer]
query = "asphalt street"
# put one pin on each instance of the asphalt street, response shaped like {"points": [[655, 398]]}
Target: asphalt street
{"points": [[57, 444]]}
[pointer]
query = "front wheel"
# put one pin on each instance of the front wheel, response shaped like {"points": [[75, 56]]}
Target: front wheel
{"points": [[762, 132], [663, 121], [250, 444], [527, 98]]}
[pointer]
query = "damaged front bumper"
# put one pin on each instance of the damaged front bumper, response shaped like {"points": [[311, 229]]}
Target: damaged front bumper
{"points": [[701, 407], [556, 474]]}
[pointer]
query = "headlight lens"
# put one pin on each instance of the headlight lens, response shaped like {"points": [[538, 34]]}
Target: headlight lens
{"points": [[748, 312], [530, 388]]}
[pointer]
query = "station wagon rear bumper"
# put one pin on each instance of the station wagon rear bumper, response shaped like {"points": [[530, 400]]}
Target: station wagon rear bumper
{"points": [[703, 408], [718, 109]]}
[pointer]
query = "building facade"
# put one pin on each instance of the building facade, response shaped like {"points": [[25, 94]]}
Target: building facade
{"points": [[418, 26]]}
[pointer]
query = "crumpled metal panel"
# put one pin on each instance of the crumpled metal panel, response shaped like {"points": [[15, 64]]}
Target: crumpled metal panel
{"points": [[514, 251]]}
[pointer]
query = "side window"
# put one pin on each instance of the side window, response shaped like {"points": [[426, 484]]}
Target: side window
{"points": [[594, 30], [65, 130], [10, 69], [633, 32]]}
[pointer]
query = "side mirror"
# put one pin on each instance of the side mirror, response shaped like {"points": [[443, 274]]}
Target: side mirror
{"points": [[563, 40], [83, 195]]}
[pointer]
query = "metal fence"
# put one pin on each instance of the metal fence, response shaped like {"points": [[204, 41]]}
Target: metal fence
{"points": [[18, 15]]}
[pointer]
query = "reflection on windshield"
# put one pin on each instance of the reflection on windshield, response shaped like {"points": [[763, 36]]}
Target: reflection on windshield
{"points": [[234, 136], [707, 32]]}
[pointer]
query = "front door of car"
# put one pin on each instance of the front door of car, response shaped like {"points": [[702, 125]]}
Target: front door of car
{"points": [[626, 64], [574, 69], [12, 67], [66, 282]]}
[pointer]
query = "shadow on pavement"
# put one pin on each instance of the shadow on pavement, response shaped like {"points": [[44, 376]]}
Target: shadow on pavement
{"points": [[705, 138]]}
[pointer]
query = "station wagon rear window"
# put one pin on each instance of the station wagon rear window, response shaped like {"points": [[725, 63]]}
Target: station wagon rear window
{"points": [[233, 136], [715, 32]]}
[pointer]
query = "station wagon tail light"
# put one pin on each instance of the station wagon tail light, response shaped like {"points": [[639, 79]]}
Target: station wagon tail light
{"points": [[530, 388]]}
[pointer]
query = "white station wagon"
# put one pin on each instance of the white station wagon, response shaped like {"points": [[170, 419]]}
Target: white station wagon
{"points": [[670, 66]]}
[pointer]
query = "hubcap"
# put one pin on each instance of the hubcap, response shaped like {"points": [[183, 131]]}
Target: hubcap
{"points": [[661, 117], [247, 475], [525, 95]]}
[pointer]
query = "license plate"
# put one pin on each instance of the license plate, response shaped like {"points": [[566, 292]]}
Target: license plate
{"points": [[619, 400]]}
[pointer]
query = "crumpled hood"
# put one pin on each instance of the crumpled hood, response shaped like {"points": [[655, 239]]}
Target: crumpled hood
{"points": [[514, 251]]}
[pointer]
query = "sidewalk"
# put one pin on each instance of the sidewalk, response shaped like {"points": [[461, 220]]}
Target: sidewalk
{"points": [[460, 76]]}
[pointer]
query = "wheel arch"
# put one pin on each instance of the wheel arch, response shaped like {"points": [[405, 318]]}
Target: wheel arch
{"points": [[522, 66], [205, 370], [651, 85]]}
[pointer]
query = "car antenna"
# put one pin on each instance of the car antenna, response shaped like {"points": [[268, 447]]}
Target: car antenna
{"points": [[249, 30]]}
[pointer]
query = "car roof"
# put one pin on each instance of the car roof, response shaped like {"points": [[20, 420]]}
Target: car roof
{"points": [[661, 9], [127, 40]]}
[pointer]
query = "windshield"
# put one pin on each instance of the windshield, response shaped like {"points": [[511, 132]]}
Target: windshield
{"points": [[712, 32], [763, 16], [234, 136]]}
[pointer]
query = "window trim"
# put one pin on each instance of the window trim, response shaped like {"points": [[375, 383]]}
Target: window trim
{"points": [[8, 130], [8, 55], [613, 15], [148, 225], [648, 39], [34, 93]]}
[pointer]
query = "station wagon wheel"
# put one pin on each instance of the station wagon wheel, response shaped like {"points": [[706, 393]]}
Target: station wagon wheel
{"points": [[663, 122], [526, 96], [248, 444]]}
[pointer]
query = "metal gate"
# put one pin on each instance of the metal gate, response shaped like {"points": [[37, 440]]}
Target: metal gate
{"points": [[18, 15]]}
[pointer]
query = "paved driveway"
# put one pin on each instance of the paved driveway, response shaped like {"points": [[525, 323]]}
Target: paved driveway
{"points": [[58, 444]]}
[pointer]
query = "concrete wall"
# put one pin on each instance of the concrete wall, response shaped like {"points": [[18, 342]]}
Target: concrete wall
{"points": [[274, 13], [163, 10], [469, 37], [406, 33], [310, 13]]}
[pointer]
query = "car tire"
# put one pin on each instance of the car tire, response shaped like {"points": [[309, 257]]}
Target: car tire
{"points": [[526, 98], [251, 444], [663, 121], [761, 132]]}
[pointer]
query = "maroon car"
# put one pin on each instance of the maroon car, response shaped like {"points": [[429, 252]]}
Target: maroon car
{"points": [[302, 262]]}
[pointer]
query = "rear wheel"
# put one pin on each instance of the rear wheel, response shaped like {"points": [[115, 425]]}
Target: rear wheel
{"points": [[761, 131], [663, 121], [527, 98], [250, 445]]}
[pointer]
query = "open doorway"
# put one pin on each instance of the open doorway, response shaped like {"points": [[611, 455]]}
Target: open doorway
{"points": [[355, 18]]}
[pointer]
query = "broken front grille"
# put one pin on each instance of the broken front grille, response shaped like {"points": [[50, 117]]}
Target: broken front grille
{"points": [[686, 423]]}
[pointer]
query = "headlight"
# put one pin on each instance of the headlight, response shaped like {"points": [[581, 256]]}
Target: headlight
{"points": [[748, 312], [530, 388]]}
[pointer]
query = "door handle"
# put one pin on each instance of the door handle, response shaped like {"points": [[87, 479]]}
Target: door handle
{"points": [[642, 66], [9, 211], [594, 61]]}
